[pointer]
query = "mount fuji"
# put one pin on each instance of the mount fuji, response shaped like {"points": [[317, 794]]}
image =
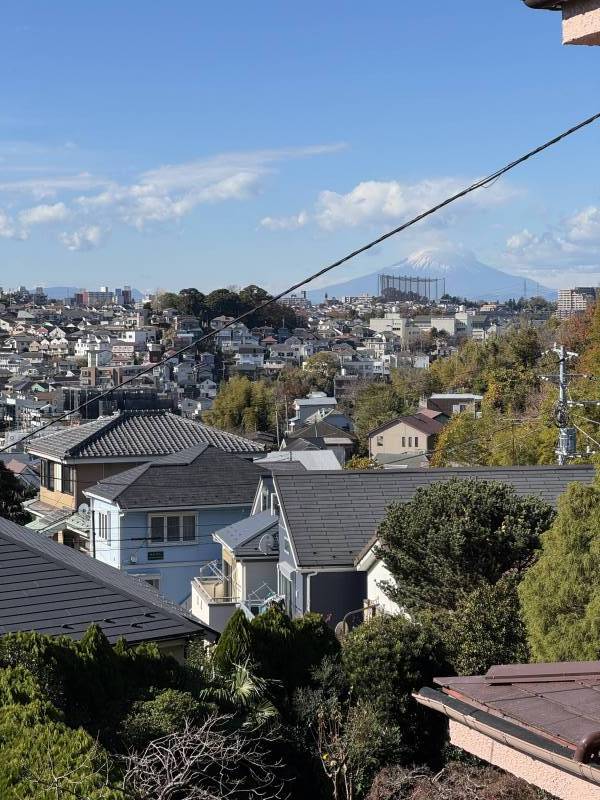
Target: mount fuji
{"points": [[464, 274]]}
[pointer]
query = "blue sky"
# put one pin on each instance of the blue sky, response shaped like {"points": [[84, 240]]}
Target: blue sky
{"points": [[171, 144]]}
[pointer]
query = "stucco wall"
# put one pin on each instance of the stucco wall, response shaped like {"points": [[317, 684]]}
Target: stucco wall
{"points": [[559, 783], [392, 441], [581, 22], [376, 575]]}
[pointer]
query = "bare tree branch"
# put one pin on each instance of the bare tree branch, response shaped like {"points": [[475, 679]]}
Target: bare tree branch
{"points": [[210, 761]]}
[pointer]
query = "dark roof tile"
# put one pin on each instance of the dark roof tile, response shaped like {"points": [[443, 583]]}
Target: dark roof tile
{"points": [[137, 433], [50, 588], [333, 516]]}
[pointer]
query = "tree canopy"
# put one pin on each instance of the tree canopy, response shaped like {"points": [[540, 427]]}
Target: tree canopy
{"points": [[243, 406], [12, 494], [560, 594], [456, 536]]}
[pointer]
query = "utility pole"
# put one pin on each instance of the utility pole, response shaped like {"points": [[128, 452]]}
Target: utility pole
{"points": [[567, 436]]}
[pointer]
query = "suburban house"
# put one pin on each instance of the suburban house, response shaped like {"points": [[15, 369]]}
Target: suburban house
{"points": [[75, 458], [328, 521], [377, 577], [51, 589], [321, 435], [452, 403], [580, 19], [156, 520], [305, 407], [245, 576], [539, 722], [410, 435]]}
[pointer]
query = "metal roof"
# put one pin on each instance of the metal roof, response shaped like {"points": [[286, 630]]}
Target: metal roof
{"points": [[209, 478], [243, 537], [50, 588], [332, 516], [561, 701], [137, 433]]}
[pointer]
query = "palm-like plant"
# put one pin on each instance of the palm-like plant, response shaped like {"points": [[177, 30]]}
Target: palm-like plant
{"points": [[241, 692]]}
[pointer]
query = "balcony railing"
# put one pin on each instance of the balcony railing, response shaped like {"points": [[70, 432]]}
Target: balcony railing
{"points": [[213, 585]]}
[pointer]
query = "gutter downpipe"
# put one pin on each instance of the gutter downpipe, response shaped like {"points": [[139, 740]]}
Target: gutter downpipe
{"points": [[577, 768], [309, 575]]}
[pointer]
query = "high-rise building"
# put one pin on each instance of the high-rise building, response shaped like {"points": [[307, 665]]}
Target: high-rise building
{"points": [[575, 301]]}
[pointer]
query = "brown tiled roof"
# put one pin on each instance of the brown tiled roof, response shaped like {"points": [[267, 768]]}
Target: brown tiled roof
{"points": [[560, 701]]}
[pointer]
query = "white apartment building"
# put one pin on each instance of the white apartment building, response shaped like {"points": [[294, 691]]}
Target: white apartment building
{"points": [[574, 301]]}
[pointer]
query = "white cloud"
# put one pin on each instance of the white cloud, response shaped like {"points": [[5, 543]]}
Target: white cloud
{"points": [[7, 228], [170, 192], [285, 223], [44, 186], [88, 237], [44, 214], [154, 197], [575, 241], [378, 202]]}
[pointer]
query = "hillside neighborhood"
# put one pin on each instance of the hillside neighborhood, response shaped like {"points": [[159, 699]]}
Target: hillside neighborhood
{"points": [[337, 541]]}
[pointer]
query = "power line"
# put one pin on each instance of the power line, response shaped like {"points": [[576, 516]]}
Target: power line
{"points": [[484, 182]]}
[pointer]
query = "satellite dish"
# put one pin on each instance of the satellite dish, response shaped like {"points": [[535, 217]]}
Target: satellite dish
{"points": [[266, 545], [83, 509]]}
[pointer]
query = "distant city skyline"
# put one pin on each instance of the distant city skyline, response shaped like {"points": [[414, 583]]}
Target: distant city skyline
{"points": [[198, 145]]}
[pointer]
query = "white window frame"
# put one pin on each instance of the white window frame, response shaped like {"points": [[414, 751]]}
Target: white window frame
{"points": [[165, 541], [103, 526]]}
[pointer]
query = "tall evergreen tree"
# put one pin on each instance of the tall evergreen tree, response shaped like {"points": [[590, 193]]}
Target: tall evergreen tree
{"points": [[560, 594], [12, 494]]}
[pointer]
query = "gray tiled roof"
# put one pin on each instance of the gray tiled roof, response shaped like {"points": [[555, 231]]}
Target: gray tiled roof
{"points": [[333, 515], [50, 588], [210, 477], [243, 537], [137, 433]]}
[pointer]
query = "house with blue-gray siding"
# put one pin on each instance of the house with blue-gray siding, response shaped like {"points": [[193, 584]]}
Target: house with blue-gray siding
{"points": [[328, 523], [156, 520]]}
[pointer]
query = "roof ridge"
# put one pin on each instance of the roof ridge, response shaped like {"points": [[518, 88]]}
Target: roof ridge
{"points": [[101, 429]]}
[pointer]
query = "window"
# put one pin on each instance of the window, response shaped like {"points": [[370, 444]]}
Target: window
{"points": [[416, 441], [380, 441], [47, 475], [67, 479], [157, 529], [226, 578], [188, 527], [410, 441], [103, 526], [172, 528], [404, 441]]}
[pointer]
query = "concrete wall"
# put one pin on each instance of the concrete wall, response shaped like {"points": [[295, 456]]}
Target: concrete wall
{"points": [[581, 22], [551, 779]]}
